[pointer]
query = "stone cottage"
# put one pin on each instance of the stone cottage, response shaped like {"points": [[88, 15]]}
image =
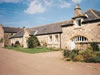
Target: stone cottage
{"points": [[78, 32], [8, 33], [21, 38]]}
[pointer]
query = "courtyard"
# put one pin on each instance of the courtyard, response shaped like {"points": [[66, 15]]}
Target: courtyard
{"points": [[49, 63]]}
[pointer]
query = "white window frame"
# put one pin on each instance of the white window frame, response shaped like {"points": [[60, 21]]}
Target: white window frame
{"points": [[76, 22], [56, 39], [49, 39], [79, 39]]}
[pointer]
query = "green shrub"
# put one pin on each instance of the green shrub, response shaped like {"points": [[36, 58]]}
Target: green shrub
{"points": [[33, 42], [95, 59], [97, 54], [17, 45], [78, 58], [71, 53], [74, 53], [95, 46], [67, 53], [87, 54], [1, 40]]}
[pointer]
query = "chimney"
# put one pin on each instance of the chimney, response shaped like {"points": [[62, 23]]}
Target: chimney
{"points": [[77, 11], [24, 27]]}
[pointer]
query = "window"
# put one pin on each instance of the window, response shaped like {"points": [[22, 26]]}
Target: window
{"points": [[12, 34], [50, 37], [77, 22], [56, 36], [79, 39]]}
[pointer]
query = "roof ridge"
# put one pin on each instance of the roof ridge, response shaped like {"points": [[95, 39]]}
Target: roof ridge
{"points": [[86, 11], [12, 27], [92, 10], [50, 24]]}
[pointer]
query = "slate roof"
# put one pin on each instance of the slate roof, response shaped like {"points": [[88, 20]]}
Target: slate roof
{"points": [[90, 15], [55, 27], [11, 29], [50, 28], [96, 12], [32, 32], [19, 34]]}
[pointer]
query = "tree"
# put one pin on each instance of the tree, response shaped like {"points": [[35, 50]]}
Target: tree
{"points": [[1, 40], [33, 42]]}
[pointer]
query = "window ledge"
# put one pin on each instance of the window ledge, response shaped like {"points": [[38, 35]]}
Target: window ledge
{"points": [[77, 28], [53, 42], [81, 42]]}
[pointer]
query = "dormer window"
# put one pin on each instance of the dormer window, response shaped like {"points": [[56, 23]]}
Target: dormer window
{"points": [[35, 32], [86, 15], [78, 22]]}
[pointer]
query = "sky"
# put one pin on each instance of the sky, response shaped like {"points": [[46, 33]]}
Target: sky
{"points": [[32, 13]]}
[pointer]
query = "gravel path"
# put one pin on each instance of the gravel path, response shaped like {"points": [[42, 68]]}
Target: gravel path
{"points": [[50, 63]]}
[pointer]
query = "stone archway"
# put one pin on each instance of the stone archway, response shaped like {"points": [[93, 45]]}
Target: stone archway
{"points": [[75, 44], [80, 41], [88, 36], [79, 38], [17, 43]]}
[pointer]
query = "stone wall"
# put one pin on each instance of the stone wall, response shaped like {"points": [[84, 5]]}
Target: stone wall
{"points": [[25, 38], [91, 31], [14, 40], [45, 40], [1, 36], [21, 40], [84, 46], [7, 37]]}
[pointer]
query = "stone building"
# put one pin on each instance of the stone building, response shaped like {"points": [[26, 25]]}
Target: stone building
{"points": [[78, 32], [1, 36], [8, 33], [20, 38]]}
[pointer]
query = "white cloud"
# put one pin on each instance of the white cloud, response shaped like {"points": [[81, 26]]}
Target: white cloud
{"points": [[64, 4], [9, 1], [47, 2], [37, 6], [67, 4], [40, 6], [77, 1]]}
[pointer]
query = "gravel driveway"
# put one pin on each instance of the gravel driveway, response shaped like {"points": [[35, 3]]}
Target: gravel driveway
{"points": [[50, 63]]}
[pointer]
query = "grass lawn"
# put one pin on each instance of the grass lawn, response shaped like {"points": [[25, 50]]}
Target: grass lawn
{"points": [[30, 50]]}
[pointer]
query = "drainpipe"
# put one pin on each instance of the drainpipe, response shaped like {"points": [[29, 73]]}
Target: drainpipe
{"points": [[23, 37], [60, 40]]}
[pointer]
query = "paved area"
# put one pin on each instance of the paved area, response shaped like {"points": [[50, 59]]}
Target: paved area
{"points": [[50, 63]]}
